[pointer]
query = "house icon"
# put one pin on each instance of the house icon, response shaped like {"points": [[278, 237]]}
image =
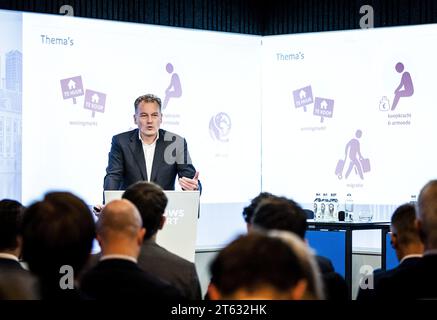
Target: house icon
{"points": [[323, 105], [71, 84], [302, 94], [95, 98]]}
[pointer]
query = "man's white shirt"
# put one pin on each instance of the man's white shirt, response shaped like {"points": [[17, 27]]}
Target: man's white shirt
{"points": [[149, 154]]}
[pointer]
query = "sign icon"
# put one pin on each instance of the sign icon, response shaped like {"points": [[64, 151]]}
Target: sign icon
{"points": [[405, 88], [220, 127], [71, 84], [174, 89], [323, 108], [95, 101], [72, 88], [353, 158], [303, 97], [384, 104]]}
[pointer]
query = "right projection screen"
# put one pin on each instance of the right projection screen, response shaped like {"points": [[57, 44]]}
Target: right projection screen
{"points": [[350, 112]]}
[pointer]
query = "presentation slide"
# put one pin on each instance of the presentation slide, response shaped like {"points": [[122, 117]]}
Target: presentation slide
{"points": [[350, 112], [82, 76]]}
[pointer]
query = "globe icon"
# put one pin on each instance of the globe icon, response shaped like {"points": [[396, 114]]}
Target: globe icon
{"points": [[220, 127]]}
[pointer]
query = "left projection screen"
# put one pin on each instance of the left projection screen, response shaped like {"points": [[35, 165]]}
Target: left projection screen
{"points": [[81, 77]]}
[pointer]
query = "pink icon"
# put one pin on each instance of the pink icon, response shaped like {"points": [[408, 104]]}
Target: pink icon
{"points": [[303, 97], [405, 88], [72, 88], [324, 108], [95, 101], [356, 160]]}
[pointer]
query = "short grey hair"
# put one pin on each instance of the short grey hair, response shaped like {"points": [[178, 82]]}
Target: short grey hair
{"points": [[147, 98]]}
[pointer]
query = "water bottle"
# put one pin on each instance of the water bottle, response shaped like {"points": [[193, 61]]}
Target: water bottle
{"points": [[333, 207], [324, 207], [317, 208], [349, 208], [329, 210]]}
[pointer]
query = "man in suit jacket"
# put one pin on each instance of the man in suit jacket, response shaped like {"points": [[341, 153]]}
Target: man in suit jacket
{"points": [[151, 202], [11, 214], [149, 153], [406, 241], [418, 281], [325, 265], [279, 213], [15, 281], [117, 275], [57, 231]]}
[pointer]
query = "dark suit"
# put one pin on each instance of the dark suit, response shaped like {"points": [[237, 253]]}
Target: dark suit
{"points": [[335, 287], [16, 282], [171, 268], [9, 265], [122, 279], [378, 274], [50, 290], [325, 265], [418, 281], [127, 165]]}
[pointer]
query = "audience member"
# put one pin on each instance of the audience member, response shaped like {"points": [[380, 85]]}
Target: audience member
{"points": [[285, 214], [248, 213], [250, 209], [11, 215], [406, 241], [151, 202], [117, 275], [418, 281], [15, 281], [308, 261], [58, 234], [257, 266]]}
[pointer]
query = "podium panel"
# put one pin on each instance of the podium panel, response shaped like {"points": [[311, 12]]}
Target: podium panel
{"points": [[180, 229], [329, 244], [348, 228]]}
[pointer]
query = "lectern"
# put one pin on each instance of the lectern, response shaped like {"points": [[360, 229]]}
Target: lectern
{"points": [[180, 229]]}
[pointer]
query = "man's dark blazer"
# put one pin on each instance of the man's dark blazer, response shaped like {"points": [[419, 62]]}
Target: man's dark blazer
{"points": [[122, 279], [325, 265], [378, 274], [127, 165], [335, 285], [171, 268], [9, 265], [418, 281], [16, 282]]}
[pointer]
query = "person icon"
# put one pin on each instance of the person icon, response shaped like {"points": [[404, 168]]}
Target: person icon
{"points": [[405, 88], [174, 90], [355, 157]]}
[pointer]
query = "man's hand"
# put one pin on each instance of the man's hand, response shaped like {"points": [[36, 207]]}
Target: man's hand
{"points": [[190, 184]]}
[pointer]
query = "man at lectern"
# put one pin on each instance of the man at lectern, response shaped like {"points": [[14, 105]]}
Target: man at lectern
{"points": [[149, 153]]}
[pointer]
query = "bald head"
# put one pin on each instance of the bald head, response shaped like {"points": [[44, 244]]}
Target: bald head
{"points": [[119, 218], [427, 214]]}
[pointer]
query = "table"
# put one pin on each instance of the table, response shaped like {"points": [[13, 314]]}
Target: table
{"points": [[348, 227]]}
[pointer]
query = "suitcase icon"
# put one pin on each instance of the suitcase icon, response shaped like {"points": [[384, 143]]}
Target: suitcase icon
{"points": [[339, 168], [365, 163]]}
